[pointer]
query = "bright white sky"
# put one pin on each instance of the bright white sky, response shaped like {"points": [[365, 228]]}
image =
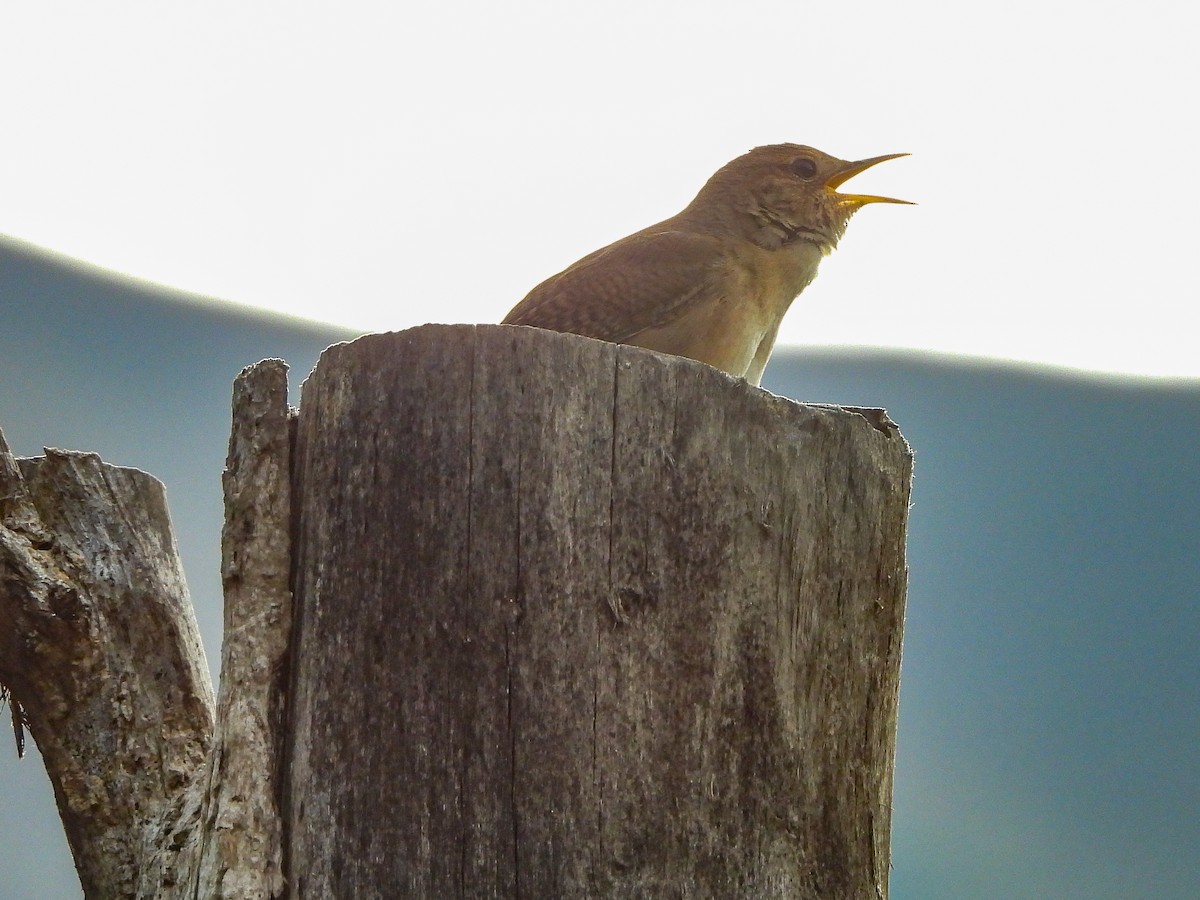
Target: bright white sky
{"points": [[383, 165]]}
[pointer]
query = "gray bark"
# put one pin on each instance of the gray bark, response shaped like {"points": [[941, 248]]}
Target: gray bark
{"points": [[571, 620], [580, 620], [98, 644]]}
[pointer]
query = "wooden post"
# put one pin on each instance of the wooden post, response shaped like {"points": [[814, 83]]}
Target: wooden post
{"points": [[579, 620], [570, 620]]}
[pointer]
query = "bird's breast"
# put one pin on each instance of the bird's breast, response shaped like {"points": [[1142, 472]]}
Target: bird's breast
{"points": [[774, 278], [728, 326]]}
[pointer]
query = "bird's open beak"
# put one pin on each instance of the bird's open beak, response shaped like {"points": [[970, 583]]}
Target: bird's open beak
{"points": [[850, 169]]}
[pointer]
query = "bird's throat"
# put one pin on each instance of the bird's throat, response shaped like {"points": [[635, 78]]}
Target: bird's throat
{"points": [[810, 236], [782, 234]]}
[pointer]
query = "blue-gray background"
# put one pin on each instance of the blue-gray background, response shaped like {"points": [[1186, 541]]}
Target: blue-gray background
{"points": [[1050, 707]]}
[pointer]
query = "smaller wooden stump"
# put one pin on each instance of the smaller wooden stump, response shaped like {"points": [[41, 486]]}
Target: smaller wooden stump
{"points": [[99, 644]]}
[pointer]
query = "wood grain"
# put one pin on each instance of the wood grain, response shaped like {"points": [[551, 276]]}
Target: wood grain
{"points": [[582, 620]]}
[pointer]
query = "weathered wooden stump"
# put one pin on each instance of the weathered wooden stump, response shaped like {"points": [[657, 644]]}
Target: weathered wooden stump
{"points": [[570, 620], [580, 620]]}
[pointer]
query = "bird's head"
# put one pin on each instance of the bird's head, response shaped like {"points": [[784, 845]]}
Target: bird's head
{"points": [[784, 193]]}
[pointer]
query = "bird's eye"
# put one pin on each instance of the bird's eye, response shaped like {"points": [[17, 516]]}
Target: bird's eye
{"points": [[804, 167]]}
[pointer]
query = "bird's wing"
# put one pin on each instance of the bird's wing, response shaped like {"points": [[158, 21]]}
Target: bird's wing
{"points": [[643, 281]]}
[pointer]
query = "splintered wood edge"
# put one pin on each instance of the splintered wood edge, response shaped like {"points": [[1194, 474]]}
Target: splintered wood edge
{"points": [[242, 854]]}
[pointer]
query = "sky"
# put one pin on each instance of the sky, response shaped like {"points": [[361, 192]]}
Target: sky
{"points": [[384, 165]]}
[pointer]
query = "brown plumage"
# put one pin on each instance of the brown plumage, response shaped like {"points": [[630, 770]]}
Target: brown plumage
{"points": [[713, 282]]}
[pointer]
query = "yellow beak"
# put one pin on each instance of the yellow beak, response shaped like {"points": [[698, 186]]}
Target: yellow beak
{"points": [[850, 169]]}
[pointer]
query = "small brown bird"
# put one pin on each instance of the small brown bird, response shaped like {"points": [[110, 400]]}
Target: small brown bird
{"points": [[713, 282]]}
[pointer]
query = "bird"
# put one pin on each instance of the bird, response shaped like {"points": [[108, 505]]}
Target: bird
{"points": [[713, 282]]}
